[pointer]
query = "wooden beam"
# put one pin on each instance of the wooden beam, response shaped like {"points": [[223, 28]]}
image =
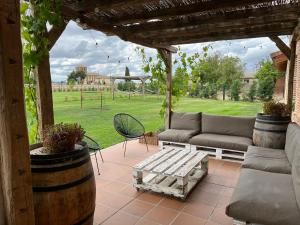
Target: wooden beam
{"points": [[15, 170], [249, 16], [228, 34], [180, 10], [103, 5], [291, 73], [44, 95], [167, 58], [281, 45], [54, 34], [220, 27]]}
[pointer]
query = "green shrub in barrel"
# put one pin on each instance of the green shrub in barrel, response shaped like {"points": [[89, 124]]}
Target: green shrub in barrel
{"points": [[271, 125], [64, 189]]}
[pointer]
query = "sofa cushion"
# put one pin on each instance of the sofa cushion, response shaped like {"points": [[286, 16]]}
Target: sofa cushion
{"points": [[292, 140], [296, 173], [222, 141], [264, 198], [186, 121], [228, 125], [267, 159], [181, 136]]}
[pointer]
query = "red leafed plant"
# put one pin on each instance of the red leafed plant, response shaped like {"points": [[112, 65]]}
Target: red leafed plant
{"points": [[62, 137]]}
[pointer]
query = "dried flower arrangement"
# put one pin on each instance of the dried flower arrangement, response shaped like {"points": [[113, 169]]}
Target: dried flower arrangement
{"points": [[62, 137], [274, 108]]}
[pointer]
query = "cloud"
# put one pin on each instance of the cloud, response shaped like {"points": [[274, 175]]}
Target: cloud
{"points": [[110, 55]]}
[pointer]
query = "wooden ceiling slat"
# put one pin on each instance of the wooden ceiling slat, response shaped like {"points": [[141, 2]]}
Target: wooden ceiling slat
{"points": [[230, 34], [248, 16], [193, 8]]}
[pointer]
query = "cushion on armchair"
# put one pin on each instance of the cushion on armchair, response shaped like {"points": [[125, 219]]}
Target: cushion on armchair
{"points": [[228, 125], [186, 121]]}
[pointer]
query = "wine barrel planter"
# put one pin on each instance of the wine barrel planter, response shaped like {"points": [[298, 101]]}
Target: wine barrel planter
{"points": [[64, 189], [270, 131]]}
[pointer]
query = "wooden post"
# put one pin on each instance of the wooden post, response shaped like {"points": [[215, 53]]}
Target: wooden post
{"points": [[44, 95], [167, 57], [15, 173], [290, 75]]}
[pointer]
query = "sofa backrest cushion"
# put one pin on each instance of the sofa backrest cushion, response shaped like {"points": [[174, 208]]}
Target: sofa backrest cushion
{"points": [[228, 125], [292, 141], [186, 121], [296, 171]]}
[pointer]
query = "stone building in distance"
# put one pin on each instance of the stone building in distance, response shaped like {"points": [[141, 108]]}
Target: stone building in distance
{"points": [[94, 78]]}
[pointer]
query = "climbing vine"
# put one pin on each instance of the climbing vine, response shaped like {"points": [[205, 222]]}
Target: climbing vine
{"points": [[37, 16], [185, 71]]}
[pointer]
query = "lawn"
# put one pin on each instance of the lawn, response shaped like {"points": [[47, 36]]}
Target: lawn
{"points": [[99, 123]]}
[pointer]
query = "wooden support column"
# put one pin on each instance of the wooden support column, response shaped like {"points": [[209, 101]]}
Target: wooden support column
{"points": [[44, 84], [44, 95], [290, 74], [281, 45], [15, 173], [167, 58]]}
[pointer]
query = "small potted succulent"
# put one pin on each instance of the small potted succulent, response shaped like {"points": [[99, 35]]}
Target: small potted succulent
{"points": [[271, 125]]}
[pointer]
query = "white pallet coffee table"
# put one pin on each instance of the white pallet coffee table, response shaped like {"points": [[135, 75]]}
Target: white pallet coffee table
{"points": [[172, 171]]}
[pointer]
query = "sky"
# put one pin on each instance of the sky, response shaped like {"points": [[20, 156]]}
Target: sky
{"points": [[110, 55]]}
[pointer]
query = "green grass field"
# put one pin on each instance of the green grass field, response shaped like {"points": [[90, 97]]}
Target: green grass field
{"points": [[99, 123]]}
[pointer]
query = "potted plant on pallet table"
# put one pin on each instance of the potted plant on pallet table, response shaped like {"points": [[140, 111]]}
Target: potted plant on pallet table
{"points": [[63, 180], [271, 125]]}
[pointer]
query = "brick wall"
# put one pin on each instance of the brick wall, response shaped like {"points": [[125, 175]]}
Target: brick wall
{"points": [[296, 117]]}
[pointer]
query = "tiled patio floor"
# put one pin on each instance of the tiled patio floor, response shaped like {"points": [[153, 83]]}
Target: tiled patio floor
{"points": [[118, 203]]}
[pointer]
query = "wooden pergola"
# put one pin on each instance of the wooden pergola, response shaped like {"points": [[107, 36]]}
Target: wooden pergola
{"points": [[157, 24], [143, 79]]}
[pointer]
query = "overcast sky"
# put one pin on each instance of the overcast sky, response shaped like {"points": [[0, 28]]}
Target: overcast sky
{"points": [[110, 55]]}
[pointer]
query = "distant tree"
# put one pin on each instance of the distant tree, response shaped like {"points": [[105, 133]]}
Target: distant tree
{"points": [[76, 77], [266, 75], [251, 95], [235, 90], [265, 89], [127, 73]]}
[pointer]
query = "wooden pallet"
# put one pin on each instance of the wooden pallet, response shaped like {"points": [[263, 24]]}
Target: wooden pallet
{"points": [[167, 144], [171, 171], [221, 153]]}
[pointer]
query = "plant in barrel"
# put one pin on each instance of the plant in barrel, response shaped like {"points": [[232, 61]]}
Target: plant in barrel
{"points": [[271, 125], [64, 189]]}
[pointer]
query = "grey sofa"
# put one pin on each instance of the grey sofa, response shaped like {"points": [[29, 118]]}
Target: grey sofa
{"points": [[268, 190], [223, 137]]}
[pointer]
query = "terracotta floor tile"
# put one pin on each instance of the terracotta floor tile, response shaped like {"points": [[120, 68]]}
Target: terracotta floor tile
{"points": [[197, 209], [150, 197], [161, 215], [172, 203], [138, 208], [144, 221], [121, 218], [212, 223], [212, 188], [186, 219], [130, 191], [115, 186], [219, 216], [114, 200], [200, 196], [102, 213]]}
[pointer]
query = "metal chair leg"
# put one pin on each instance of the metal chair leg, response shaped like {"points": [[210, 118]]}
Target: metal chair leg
{"points": [[125, 147], [146, 143], [97, 163], [101, 155]]}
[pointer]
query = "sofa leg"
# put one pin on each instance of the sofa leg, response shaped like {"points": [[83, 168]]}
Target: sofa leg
{"points": [[160, 145], [238, 222], [218, 153], [193, 148]]}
